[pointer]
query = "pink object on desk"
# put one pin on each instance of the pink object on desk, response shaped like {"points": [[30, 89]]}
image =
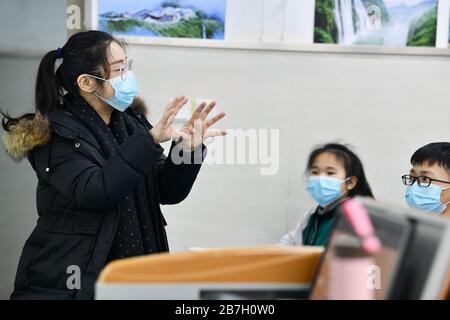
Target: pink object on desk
{"points": [[349, 277], [359, 218]]}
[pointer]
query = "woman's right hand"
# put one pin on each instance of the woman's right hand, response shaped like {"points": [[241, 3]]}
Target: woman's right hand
{"points": [[163, 130]]}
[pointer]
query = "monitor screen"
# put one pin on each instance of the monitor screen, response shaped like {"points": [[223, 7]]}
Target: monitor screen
{"points": [[348, 273], [417, 263], [424, 270]]}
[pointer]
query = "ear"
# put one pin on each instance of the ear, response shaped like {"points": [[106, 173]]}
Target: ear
{"points": [[351, 183], [86, 83]]}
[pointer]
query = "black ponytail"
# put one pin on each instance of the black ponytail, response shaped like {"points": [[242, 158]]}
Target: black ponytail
{"points": [[49, 91], [84, 53]]}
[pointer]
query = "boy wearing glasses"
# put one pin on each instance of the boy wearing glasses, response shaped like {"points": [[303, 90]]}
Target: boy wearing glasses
{"points": [[428, 182]]}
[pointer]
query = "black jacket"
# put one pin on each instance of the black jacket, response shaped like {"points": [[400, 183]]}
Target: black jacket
{"points": [[77, 197]]}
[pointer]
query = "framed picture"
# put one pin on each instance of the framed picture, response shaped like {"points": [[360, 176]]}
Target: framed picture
{"points": [[188, 19], [391, 23], [360, 26]]}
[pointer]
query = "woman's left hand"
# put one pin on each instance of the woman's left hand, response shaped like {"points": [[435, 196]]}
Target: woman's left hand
{"points": [[198, 128]]}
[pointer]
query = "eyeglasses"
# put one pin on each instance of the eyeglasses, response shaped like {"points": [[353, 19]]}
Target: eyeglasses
{"points": [[423, 181], [124, 68]]}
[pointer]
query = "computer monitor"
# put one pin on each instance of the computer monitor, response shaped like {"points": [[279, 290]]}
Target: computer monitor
{"points": [[393, 231], [415, 256], [424, 268]]}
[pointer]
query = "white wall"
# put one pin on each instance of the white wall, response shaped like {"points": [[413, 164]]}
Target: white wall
{"points": [[28, 27], [386, 106], [270, 21]]}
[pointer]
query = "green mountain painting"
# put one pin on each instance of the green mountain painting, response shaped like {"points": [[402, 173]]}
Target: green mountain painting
{"points": [[200, 19], [395, 23]]}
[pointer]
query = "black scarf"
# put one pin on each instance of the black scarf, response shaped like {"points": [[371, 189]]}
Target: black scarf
{"points": [[136, 234]]}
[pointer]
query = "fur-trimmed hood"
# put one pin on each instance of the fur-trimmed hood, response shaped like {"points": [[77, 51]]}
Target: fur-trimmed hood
{"points": [[25, 135], [32, 132]]}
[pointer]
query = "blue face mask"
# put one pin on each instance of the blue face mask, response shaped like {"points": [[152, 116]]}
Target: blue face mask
{"points": [[425, 198], [324, 190], [125, 91]]}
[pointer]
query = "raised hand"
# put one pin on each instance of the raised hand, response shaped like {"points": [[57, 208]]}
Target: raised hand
{"points": [[163, 129], [198, 128]]}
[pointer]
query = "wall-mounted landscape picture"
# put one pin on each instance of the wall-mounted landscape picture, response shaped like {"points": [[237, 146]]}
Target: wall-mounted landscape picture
{"points": [[394, 23], [199, 19]]}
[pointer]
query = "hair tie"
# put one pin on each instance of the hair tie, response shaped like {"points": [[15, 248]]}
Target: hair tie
{"points": [[59, 53]]}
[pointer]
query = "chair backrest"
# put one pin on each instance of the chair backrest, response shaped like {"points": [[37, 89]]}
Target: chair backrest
{"points": [[275, 264]]}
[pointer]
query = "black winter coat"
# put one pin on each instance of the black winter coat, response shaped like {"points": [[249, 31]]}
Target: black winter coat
{"points": [[78, 193]]}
